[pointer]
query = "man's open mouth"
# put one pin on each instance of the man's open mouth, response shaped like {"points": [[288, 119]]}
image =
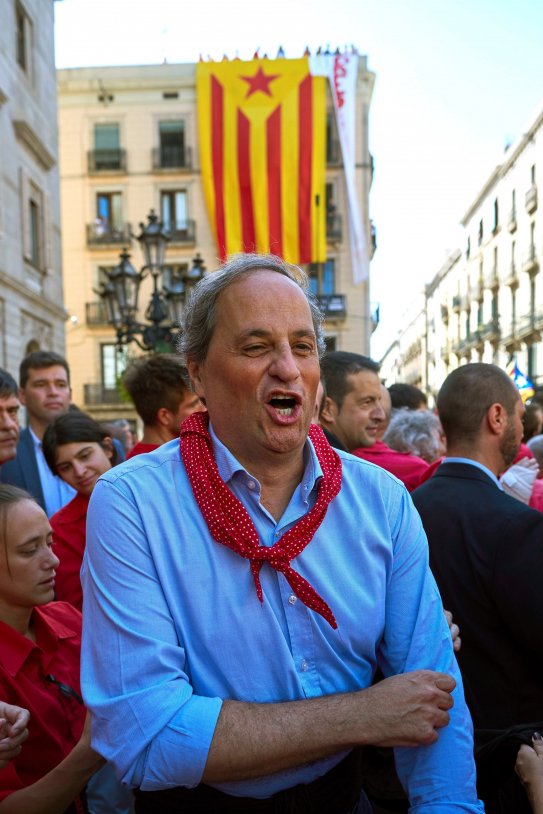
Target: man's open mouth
{"points": [[283, 404]]}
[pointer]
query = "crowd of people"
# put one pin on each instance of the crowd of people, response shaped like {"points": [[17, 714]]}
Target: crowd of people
{"points": [[298, 591]]}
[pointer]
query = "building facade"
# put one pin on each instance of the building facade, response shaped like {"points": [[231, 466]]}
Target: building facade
{"points": [[129, 143], [486, 303], [32, 315]]}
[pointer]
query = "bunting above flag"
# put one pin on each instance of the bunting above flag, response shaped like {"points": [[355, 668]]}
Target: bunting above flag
{"points": [[262, 133]]}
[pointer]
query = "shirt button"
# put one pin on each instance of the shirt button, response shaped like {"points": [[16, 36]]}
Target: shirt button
{"points": [[292, 599], [304, 666], [251, 484]]}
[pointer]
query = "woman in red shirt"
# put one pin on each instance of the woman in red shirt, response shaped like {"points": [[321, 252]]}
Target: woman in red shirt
{"points": [[78, 450], [39, 667]]}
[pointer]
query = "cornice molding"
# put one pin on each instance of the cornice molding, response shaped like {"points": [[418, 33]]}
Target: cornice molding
{"points": [[31, 297], [26, 135]]}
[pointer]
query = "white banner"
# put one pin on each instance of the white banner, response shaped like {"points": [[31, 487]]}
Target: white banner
{"points": [[342, 70]]}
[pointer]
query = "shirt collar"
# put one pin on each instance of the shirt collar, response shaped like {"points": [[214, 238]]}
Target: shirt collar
{"points": [[228, 465], [479, 465], [16, 648]]}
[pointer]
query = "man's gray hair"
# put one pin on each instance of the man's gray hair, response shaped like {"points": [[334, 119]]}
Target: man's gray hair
{"points": [[414, 431], [200, 315], [535, 444]]}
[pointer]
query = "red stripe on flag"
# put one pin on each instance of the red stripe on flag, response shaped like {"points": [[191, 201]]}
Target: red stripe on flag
{"points": [[217, 161], [244, 178], [273, 158], [305, 143]]}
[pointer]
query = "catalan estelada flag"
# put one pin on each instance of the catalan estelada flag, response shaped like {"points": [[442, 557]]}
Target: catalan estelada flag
{"points": [[522, 382], [262, 132]]}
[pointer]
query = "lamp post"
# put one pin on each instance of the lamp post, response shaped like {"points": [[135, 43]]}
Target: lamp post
{"points": [[119, 292]]}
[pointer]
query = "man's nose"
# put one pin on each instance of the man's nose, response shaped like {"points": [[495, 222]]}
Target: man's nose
{"points": [[378, 413], [284, 365]]}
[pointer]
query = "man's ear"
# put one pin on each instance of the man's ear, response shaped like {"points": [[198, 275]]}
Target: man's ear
{"points": [[194, 369], [497, 418], [22, 396], [330, 410]]}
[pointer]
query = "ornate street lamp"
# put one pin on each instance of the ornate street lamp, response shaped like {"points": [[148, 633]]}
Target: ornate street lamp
{"points": [[119, 292]]}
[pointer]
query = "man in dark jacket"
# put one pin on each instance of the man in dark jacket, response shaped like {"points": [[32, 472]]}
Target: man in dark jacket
{"points": [[486, 553]]}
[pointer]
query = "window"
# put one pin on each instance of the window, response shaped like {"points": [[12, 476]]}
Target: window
{"points": [[172, 144], [23, 38], [532, 175], [468, 248], [109, 211], [496, 219], [332, 143], [173, 210], [322, 282], [107, 154], [36, 247], [513, 203], [480, 233], [113, 363]]}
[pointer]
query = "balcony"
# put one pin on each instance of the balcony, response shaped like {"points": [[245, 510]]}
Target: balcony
{"points": [[172, 157], [530, 327], [94, 394], [490, 331], [476, 291], [96, 314], [511, 277], [531, 199], [530, 261], [333, 306], [492, 280], [102, 234], [510, 338], [333, 153], [183, 231], [334, 227], [512, 221], [112, 161]]}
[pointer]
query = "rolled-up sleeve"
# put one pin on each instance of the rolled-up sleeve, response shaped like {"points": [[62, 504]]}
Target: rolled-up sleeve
{"points": [[146, 718], [440, 778]]}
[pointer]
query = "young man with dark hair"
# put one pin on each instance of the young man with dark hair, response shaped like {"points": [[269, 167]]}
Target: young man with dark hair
{"points": [[44, 389], [158, 386]]}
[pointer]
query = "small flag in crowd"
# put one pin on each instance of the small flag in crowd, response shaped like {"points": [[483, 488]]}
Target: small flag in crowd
{"points": [[522, 382]]}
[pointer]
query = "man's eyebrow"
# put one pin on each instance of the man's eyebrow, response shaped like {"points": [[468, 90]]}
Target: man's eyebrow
{"points": [[263, 332]]}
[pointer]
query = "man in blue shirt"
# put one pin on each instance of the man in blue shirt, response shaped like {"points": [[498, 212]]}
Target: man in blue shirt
{"points": [[243, 584]]}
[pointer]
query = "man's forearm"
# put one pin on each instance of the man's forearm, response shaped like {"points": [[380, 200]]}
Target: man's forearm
{"points": [[252, 740]]}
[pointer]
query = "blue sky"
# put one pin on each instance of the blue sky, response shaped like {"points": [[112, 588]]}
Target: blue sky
{"points": [[456, 81]]}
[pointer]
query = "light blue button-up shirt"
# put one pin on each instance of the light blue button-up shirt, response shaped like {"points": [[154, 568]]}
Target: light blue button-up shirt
{"points": [[173, 625]]}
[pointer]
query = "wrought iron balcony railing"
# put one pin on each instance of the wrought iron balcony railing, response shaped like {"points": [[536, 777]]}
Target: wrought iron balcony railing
{"points": [[102, 233], [333, 306], [172, 157], [94, 394], [181, 231], [113, 160]]}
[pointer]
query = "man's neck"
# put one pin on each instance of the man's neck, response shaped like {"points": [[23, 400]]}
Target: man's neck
{"points": [[156, 434], [489, 458], [37, 427], [278, 477]]}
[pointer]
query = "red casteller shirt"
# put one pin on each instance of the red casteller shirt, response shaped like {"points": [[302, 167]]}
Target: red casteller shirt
{"points": [[407, 467], [139, 448], [69, 530], [56, 721]]}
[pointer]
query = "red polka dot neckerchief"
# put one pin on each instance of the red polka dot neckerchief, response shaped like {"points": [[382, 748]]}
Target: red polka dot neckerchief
{"points": [[229, 523]]}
